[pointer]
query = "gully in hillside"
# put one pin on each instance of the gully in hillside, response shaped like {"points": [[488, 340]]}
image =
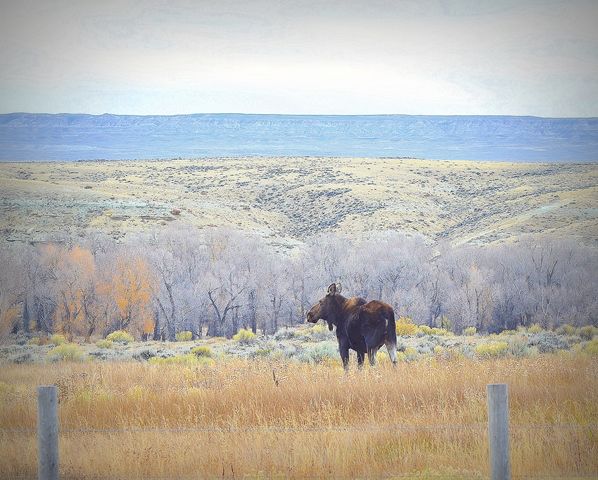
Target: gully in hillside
{"points": [[360, 325]]}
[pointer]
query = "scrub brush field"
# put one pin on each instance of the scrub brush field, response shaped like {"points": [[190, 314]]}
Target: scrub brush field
{"points": [[207, 412]]}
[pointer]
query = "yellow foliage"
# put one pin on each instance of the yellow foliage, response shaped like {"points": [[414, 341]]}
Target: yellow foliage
{"points": [[105, 343], [535, 328], [148, 325], [470, 331], [132, 285], [66, 352], [410, 353], [588, 332], [8, 318], [434, 331], [244, 336], [491, 349], [120, 336], [75, 280], [405, 326], [184, 336], [566, 329], [591, 347], [202, 351], [58, 339]]}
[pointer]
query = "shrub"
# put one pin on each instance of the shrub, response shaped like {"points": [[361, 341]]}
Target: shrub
{"points": [[548, 342], [591, 347], [470, 331], [202, 351], [105, 343], [518, 346], [120, 336], [535, 328], [425, 330], [58, 339], [443, 353], [491, 349], [566, 329], [184, 336], [66, 352], [261, 353], [405, 326], [290, 351], [320, 332], [145, 354], [35, 341], [319, 353], [410, 354], [245, 337], [285, 334], [189, 360], [588, 332]]}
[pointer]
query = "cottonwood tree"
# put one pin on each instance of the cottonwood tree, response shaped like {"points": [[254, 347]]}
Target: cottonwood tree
{"points": [[11, 291], [227, 278], [74, 288], [132, 284], [274, 276], [178, 258], [186, 279]]}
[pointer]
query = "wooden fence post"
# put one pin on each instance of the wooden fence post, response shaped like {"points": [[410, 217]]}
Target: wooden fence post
{"points": [[498, 431], [47, 432]]}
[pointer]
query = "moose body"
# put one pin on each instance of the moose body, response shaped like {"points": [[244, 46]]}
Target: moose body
{"points": [[360, 325]]}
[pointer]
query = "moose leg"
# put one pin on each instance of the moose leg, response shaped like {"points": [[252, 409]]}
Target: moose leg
{"points": [[392, 352], [344, 351], [360, 359], [372, 355]]}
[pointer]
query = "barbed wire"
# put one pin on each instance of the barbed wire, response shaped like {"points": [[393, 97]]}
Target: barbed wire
{"points": [[413, 476], [311, 429]]}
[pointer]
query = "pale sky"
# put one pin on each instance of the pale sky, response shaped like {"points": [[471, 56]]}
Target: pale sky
{"points": [[304, 57]]}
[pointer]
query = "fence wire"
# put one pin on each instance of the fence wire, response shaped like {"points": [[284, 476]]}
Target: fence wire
{"points": [[312, 429], [412, 476]]}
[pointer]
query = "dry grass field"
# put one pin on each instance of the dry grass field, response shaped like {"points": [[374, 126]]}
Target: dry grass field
{"points": [[232, 420], [290, 199]]}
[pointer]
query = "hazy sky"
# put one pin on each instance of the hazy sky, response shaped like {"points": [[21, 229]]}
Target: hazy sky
{"points": [[288, 56]]}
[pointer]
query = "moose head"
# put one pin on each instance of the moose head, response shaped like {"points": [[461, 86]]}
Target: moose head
{"points": [[327, 308]]}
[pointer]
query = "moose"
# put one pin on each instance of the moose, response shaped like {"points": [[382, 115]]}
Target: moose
{"points": [[360, 325]]}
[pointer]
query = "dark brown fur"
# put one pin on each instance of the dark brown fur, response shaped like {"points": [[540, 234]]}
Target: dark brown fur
{"points": [[360, 325]]}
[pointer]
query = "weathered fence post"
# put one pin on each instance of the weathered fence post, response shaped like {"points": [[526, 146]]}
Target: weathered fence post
{"points": [[47, 432], [498, 431]]}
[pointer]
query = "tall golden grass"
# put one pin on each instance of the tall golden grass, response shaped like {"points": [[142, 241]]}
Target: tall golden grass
{"points": [[254, 418]]}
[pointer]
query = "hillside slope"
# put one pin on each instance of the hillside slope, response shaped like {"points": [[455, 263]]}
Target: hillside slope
{"points": [[292, 199]]}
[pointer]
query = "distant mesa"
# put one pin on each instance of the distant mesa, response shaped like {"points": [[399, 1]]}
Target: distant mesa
{"points": [[68, 137]]}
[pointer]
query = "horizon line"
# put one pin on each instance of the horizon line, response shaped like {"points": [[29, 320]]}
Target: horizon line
{"points": [[295, 115]]}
